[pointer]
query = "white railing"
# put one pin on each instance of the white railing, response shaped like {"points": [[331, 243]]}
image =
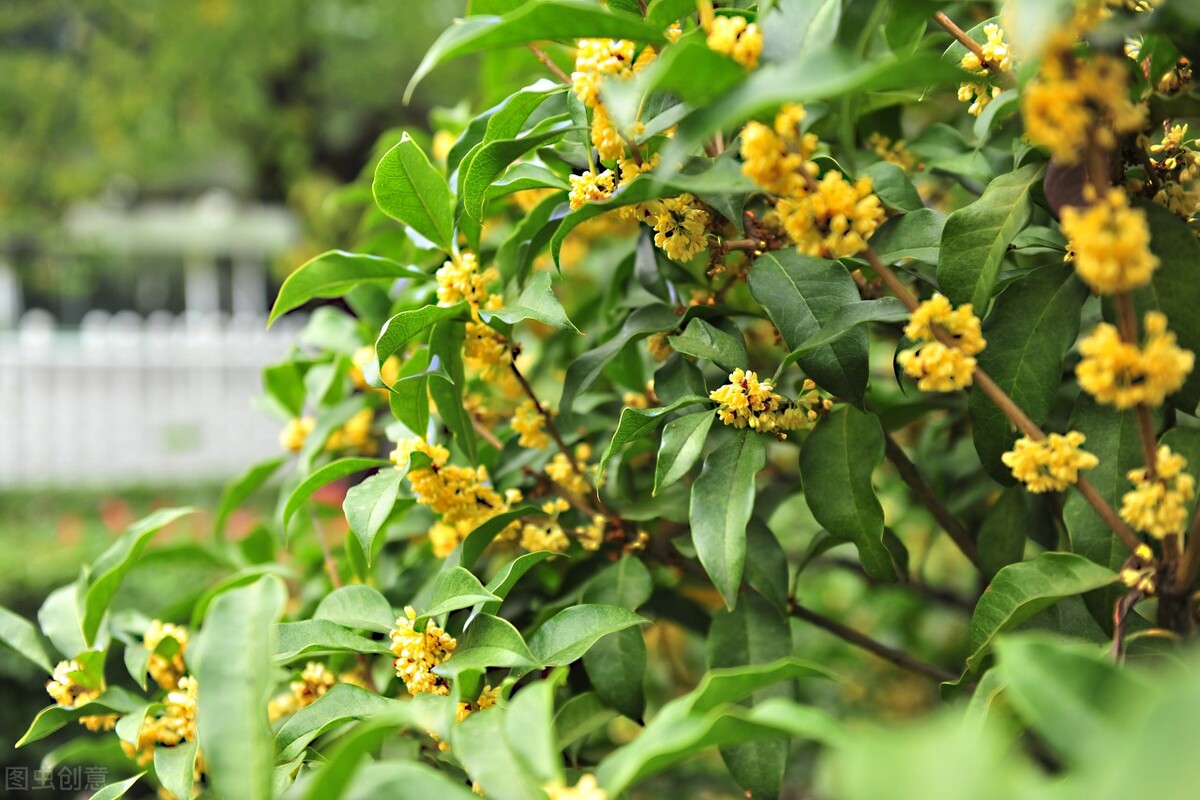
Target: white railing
{"points": [[127, 401]]}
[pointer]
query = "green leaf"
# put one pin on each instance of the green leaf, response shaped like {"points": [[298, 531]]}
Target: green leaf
{"points": [[59, 618], [1002, 536], [529, 235], [405, 326], [345, 763], [637, 422], [489, 642], [559, 20], [836, 462], [314, 637], [19, 635], [702, 718], [176, 767], [446, 344], [797, 27], [766, 564], [616, 667], [846, 319], [508, 575], [409, 396], [893, 187], [1174, 290], [681, 447], [581, 715], [529, 729], [454, 589], [50, 719], [325, 475], [721, 505], [240, 490], [232, 661], [627, 584], [342, 703], [334, 273], [109, 569], [503, 121], [977, 236], [1030, 331], [755, 632], [702, 339], [242, 577], [585, 369], [368, 505], [661, 13], [569, 634], [537, 301], [491, 758], [357, 606], [483, 534], [916, 235], [113, 791], [493, 158], [1070, 693], [801, 294], [1021, 590], [409, 188], [284, 386]]}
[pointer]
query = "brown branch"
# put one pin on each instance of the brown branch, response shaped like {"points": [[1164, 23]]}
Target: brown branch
{"points": [[1127, 322], [898, 657], [966, 41], [953, 528], [549, 62], [1121, 611], [1185, 576]]}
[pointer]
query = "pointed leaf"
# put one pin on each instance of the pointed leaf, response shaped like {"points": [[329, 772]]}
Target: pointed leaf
{"points": [[681, 447], [537, 301], [409, 188], [325, 475], [637, 422], [19, 635], [369, 504], [569, 634], [405, 326], [357, 606], [314, 637], [334, 273]]}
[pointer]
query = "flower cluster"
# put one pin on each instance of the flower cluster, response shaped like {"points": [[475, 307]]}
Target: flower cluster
{"points": [[65, 687], [830, 218], [1110, 242], [995, 51], [1124, 375], [461, 279], [1051, 464], [586, 788], [166, 670], [1139, 571], [462, 496], [355, 434], [747, 402], [315, 680], [736, 38], [175, 725], [418, 652], [1175, 162], [570, 475], [1159, 505], [1074, 102], [591, 187], [295, 433], [530, 425], [547, 535], [680, 226], [892, 152], [936, 365]]}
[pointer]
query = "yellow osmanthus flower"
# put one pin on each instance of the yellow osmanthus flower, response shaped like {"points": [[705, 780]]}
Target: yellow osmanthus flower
{"points": [[836, 219], [1122, 374], [736, 38], [165, 670], [418, 652], [595, 58], [1176, 165], [487, 351], [1140, 572], [680, 227], [295, 433], [571, 477], [776, 158], [747, 402], [591, 187], [659, 346], [1076, 101], [1160, 506], [315, 680], [178, 722], [605, 136], [530, 425], [487, 698], [461, 279], [65, 690], [892, 152], [1049, 465], [936, 366], [996, 51], [591, 536], [355, 434], [1111, 243], [586, 788]]}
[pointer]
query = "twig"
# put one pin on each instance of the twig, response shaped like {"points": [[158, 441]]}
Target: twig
{"points": [[330, 564], [1127, 322], [953, 528], [549, 62], [551, 428], [642, 6], [1120, 614], [966, 41], [890, 654]]}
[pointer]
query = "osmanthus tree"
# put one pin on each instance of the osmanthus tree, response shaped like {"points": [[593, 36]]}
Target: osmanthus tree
{"points": [[640, 339]]}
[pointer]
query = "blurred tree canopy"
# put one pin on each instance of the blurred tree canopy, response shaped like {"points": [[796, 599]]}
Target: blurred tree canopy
{"points": [[169, 97]]}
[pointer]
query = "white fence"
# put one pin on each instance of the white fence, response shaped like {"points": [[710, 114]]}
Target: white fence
{"points": [[129, 401]]}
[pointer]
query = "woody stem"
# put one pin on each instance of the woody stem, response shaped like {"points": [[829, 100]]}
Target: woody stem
{"points": [[549, 62], [1127, 322], [965, 40]]}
